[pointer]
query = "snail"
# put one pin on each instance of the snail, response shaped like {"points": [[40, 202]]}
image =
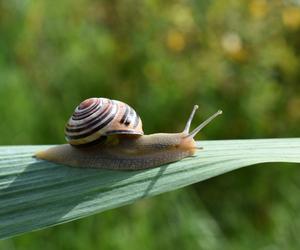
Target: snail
{"points": [[108, 134]]}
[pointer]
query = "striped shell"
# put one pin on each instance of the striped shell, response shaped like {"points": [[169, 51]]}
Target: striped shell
{"points": [[96, 117]]}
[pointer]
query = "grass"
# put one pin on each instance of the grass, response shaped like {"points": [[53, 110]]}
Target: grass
{"points": [[35, 194]]}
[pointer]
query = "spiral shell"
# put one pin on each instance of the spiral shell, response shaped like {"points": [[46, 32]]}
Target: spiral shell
{"points": [[96, 117]]}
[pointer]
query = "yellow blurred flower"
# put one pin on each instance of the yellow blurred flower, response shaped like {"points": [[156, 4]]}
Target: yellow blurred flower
{"points": [[182, 17], [258, 8], [231, 42], [233, 47], [175, 40], [291, 17]]}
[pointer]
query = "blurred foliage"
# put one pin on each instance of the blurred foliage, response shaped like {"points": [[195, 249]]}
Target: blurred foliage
{"points": [[239, 55]]}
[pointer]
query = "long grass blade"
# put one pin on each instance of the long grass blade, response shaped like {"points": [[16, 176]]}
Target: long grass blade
{"points": [[35, 194]]}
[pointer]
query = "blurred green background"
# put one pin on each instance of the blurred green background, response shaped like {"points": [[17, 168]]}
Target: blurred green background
{"points": [[162, 57]]}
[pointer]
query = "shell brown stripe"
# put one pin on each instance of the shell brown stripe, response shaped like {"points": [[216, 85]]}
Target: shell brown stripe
{"points": [[100, 126], [90, 123], [95, 108], [82, 115], [87, 103], [129, 117], [87, 120], [136, 121], [125, 114], [87, 109]]}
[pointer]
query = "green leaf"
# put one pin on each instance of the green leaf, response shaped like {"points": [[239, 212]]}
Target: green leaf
{"points": [[35, 194]]}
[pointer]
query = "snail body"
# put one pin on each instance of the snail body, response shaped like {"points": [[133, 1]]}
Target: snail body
{"points": [[108, 134]]}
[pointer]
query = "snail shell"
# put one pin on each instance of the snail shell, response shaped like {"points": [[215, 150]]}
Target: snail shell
{"points": [[98, 117]]}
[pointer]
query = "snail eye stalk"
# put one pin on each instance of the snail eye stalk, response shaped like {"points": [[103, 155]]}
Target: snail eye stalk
{"points": [[188, 124], [203, 124]]}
